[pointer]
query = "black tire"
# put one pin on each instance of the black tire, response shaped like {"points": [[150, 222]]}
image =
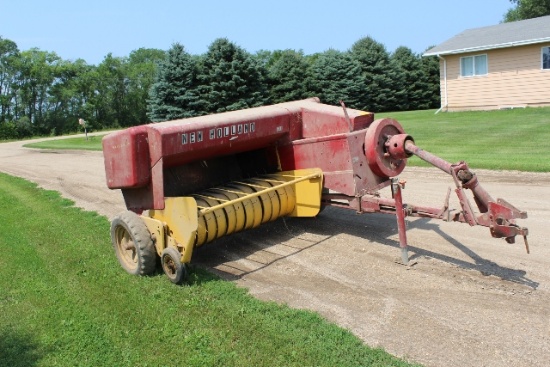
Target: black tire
{"points": [[324, 192], [133, 244], [170, 260]]}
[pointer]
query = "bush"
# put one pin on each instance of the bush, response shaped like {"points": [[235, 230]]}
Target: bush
{"points": [[24, 128], [8, 130]]}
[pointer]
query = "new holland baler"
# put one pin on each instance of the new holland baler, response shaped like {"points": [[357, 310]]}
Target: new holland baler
{"points": [[188, 182]]}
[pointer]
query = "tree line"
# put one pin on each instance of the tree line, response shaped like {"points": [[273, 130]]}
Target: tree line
{"points": [[42, 94], [527, 9], [228, 78]]}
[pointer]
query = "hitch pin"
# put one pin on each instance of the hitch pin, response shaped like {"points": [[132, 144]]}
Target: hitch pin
{"points": [[526, 243]]}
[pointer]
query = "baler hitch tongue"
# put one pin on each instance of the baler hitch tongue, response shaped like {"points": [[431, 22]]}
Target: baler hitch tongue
{"points": [[499, 215], [502, 216]]}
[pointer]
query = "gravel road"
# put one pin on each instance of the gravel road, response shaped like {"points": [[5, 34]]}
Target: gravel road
{"points": [[470, 300]]}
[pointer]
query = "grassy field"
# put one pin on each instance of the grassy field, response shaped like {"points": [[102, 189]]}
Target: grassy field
{"points": [[499, 140], [504, 139], [65, 301], [78, 143]]}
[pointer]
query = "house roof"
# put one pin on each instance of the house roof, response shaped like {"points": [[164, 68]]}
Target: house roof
{"points": [[520, 33]]}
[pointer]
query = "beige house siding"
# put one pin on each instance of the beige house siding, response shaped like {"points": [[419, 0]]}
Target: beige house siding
{"points": [[515, 79]]}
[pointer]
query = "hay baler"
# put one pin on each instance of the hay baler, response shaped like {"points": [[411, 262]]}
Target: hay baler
{"points": [[188, 182]]}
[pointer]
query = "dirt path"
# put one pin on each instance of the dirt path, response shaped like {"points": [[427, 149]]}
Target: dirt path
{"points": [[471, 300]]}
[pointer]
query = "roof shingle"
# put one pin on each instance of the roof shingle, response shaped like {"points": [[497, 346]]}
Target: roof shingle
{"points": [[523, 32]]}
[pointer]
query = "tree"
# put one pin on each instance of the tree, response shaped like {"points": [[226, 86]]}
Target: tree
{"points": [[112, 86], [527, 9], [231, 79], [66, 100], [430, 67], [378, 76], [413, 80], [287, 76], [8, 55], [141, 72], [335, 76], [266, 58], [174, 93], [87, 84], [42, 94], [36, 72]]}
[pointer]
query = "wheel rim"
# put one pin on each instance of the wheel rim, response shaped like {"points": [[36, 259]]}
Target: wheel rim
{"points": [[126, 248], [170, 267]]}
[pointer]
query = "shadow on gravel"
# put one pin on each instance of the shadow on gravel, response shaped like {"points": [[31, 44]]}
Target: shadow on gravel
{"points": [[247, 252], [484, 266]]}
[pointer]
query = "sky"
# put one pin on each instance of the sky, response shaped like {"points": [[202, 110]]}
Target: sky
{"points": [[90, 30]]}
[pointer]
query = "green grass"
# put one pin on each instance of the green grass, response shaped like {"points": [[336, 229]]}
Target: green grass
{"points": [[499, 140], [65, 301], [78, 143]]}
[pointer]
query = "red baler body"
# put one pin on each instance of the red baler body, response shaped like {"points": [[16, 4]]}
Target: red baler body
{"points": [[357, 155]]}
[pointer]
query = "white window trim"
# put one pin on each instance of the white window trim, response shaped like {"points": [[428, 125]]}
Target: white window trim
{"points": [[542, 57], [473, 57]]}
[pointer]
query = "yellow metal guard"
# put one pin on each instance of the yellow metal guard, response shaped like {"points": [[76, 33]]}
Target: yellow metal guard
{"points": [[188, 222], [179, 218]]}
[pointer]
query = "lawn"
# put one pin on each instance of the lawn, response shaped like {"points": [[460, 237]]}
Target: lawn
{"points": [[77, 143], [65, 301], [499, 140]]}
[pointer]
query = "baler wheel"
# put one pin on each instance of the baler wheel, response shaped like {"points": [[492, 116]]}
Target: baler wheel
{"points": [[172, 266], [133, 244]]}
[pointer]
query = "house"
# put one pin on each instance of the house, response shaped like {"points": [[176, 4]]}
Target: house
{"points": [[501, 66]]}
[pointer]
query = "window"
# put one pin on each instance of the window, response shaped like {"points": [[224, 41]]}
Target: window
{"points": [[473, 65], [546, 57]]}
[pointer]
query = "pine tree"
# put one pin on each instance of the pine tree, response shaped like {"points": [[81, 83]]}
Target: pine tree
{"points": [[382, 94], [335, 76], [430, 68], [174, 93], [230, 78], [415, 85], [287, 75]]}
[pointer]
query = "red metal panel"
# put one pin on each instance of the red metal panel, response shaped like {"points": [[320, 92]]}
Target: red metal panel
{"points": [[323, 120], [184, 141], [126, 157], [341, 157]]}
